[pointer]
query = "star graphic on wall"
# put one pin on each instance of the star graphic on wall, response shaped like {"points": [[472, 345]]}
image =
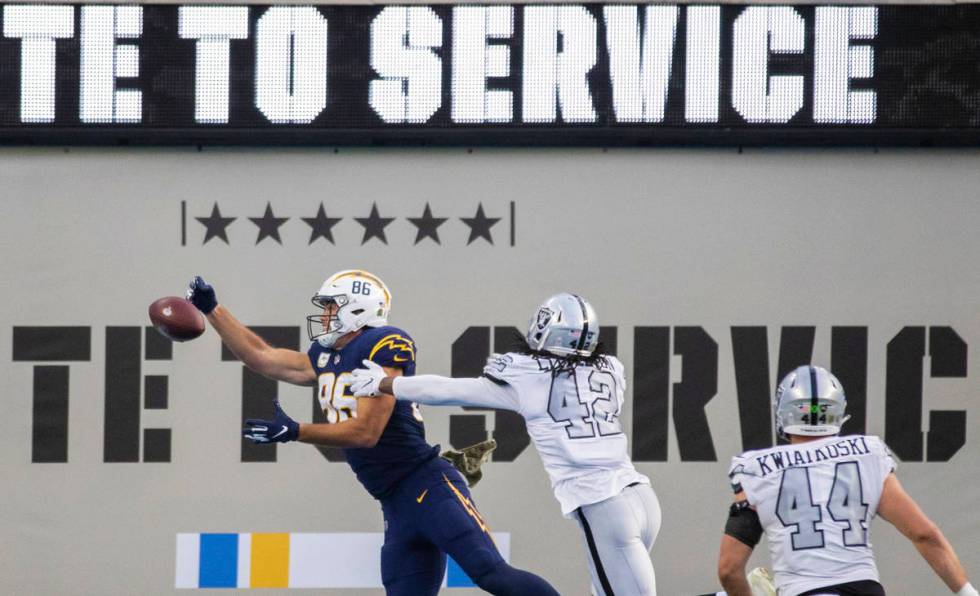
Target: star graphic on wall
{"points": [[374, 225], [480, 225], [268, 225], [428, 226], [215, 225], [321, 225]]}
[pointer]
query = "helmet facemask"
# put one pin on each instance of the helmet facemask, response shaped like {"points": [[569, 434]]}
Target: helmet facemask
{"points": [[326, 333]]}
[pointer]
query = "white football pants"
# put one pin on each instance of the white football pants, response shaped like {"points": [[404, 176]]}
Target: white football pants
{"points": [[618, 534]]}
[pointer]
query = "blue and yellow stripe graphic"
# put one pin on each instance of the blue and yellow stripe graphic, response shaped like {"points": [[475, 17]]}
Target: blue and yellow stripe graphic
{"points": [[292, 560]]}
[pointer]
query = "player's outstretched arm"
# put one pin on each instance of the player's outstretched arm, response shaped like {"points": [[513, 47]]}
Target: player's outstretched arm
{"points": [[362, 431], [276, 363], [899, 509], [433, 389]]}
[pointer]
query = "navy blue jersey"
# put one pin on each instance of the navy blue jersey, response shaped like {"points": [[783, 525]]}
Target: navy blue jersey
{"points": [[402, 446]]}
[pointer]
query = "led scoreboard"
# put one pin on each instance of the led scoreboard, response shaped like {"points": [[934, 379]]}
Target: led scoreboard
{"points": [[587, 74]]}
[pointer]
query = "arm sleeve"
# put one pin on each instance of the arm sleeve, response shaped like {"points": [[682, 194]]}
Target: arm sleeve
{"points": [[743, 524], [443, 391]]}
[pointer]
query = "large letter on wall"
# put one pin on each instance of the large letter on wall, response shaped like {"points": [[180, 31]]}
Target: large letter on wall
{"points": [[904, 393], [469, 355], [750, 351], [551, 73], [410, 88], [259, 391], [291, 65], [837, 62], [652, 387], [103, 61], [38, 27], [49, 414], [213, 27], [759, 31]]}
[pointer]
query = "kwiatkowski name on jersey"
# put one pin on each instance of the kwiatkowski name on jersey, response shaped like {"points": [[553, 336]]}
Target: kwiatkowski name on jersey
{"points": [[779, 460]]}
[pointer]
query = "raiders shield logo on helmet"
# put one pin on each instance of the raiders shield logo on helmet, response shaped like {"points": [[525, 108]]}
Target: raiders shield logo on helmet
{"points": [[544, 317]]}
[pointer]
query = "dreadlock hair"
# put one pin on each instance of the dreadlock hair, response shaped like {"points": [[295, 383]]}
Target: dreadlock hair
{"points": [[559, 364]]}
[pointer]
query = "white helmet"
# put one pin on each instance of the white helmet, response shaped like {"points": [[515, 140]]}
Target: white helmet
{"points": [[363, 300], [564, 325], [809, 401]]}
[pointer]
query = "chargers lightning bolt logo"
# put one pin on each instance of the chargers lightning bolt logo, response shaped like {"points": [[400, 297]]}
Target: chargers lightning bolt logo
{"points": [[396, 343]]}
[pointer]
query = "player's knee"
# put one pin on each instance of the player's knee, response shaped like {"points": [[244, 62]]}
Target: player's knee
{"points": [[481, 562], [492, 577]]}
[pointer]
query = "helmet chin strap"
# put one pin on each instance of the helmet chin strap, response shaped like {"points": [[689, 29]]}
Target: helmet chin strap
{"points": [[329, 338]]}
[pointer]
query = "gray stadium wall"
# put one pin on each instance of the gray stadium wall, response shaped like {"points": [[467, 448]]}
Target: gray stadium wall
{"points": [[712, 272]]}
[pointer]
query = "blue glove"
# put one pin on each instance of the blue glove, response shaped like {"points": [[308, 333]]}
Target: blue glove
{"points": [[202, 295], [281, 429]]}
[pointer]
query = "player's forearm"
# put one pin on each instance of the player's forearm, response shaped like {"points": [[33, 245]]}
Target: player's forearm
{"points": [[735, 584], [347, 434], [938, 552], [732, 557], [241, 340], [441, 391]]}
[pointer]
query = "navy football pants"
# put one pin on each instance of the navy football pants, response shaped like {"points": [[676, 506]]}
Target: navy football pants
{"points": [[431, 514]]}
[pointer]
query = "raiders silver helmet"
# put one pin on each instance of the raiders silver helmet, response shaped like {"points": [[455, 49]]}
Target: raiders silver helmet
{"points": [[564, 325], [809, 401]]}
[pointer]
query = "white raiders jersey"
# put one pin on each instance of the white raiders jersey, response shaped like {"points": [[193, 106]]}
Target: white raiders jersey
{"points": [[815, 501], [573, 418]]}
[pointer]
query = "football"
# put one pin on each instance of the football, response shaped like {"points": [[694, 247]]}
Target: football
{"points": [[176, 318]]}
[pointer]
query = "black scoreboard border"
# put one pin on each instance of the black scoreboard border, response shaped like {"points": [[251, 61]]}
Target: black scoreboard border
{"points": [[596, 137]]}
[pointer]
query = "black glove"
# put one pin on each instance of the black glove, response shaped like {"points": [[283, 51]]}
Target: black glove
{"points": [[281, 429], [469, 459], [201, 295]]}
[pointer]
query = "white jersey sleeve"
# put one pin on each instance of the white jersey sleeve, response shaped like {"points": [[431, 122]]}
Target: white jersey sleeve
{"points": [[736, 475], [505, 377], [444, 391], [883, 457], [815, 501], [515, 370]]}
